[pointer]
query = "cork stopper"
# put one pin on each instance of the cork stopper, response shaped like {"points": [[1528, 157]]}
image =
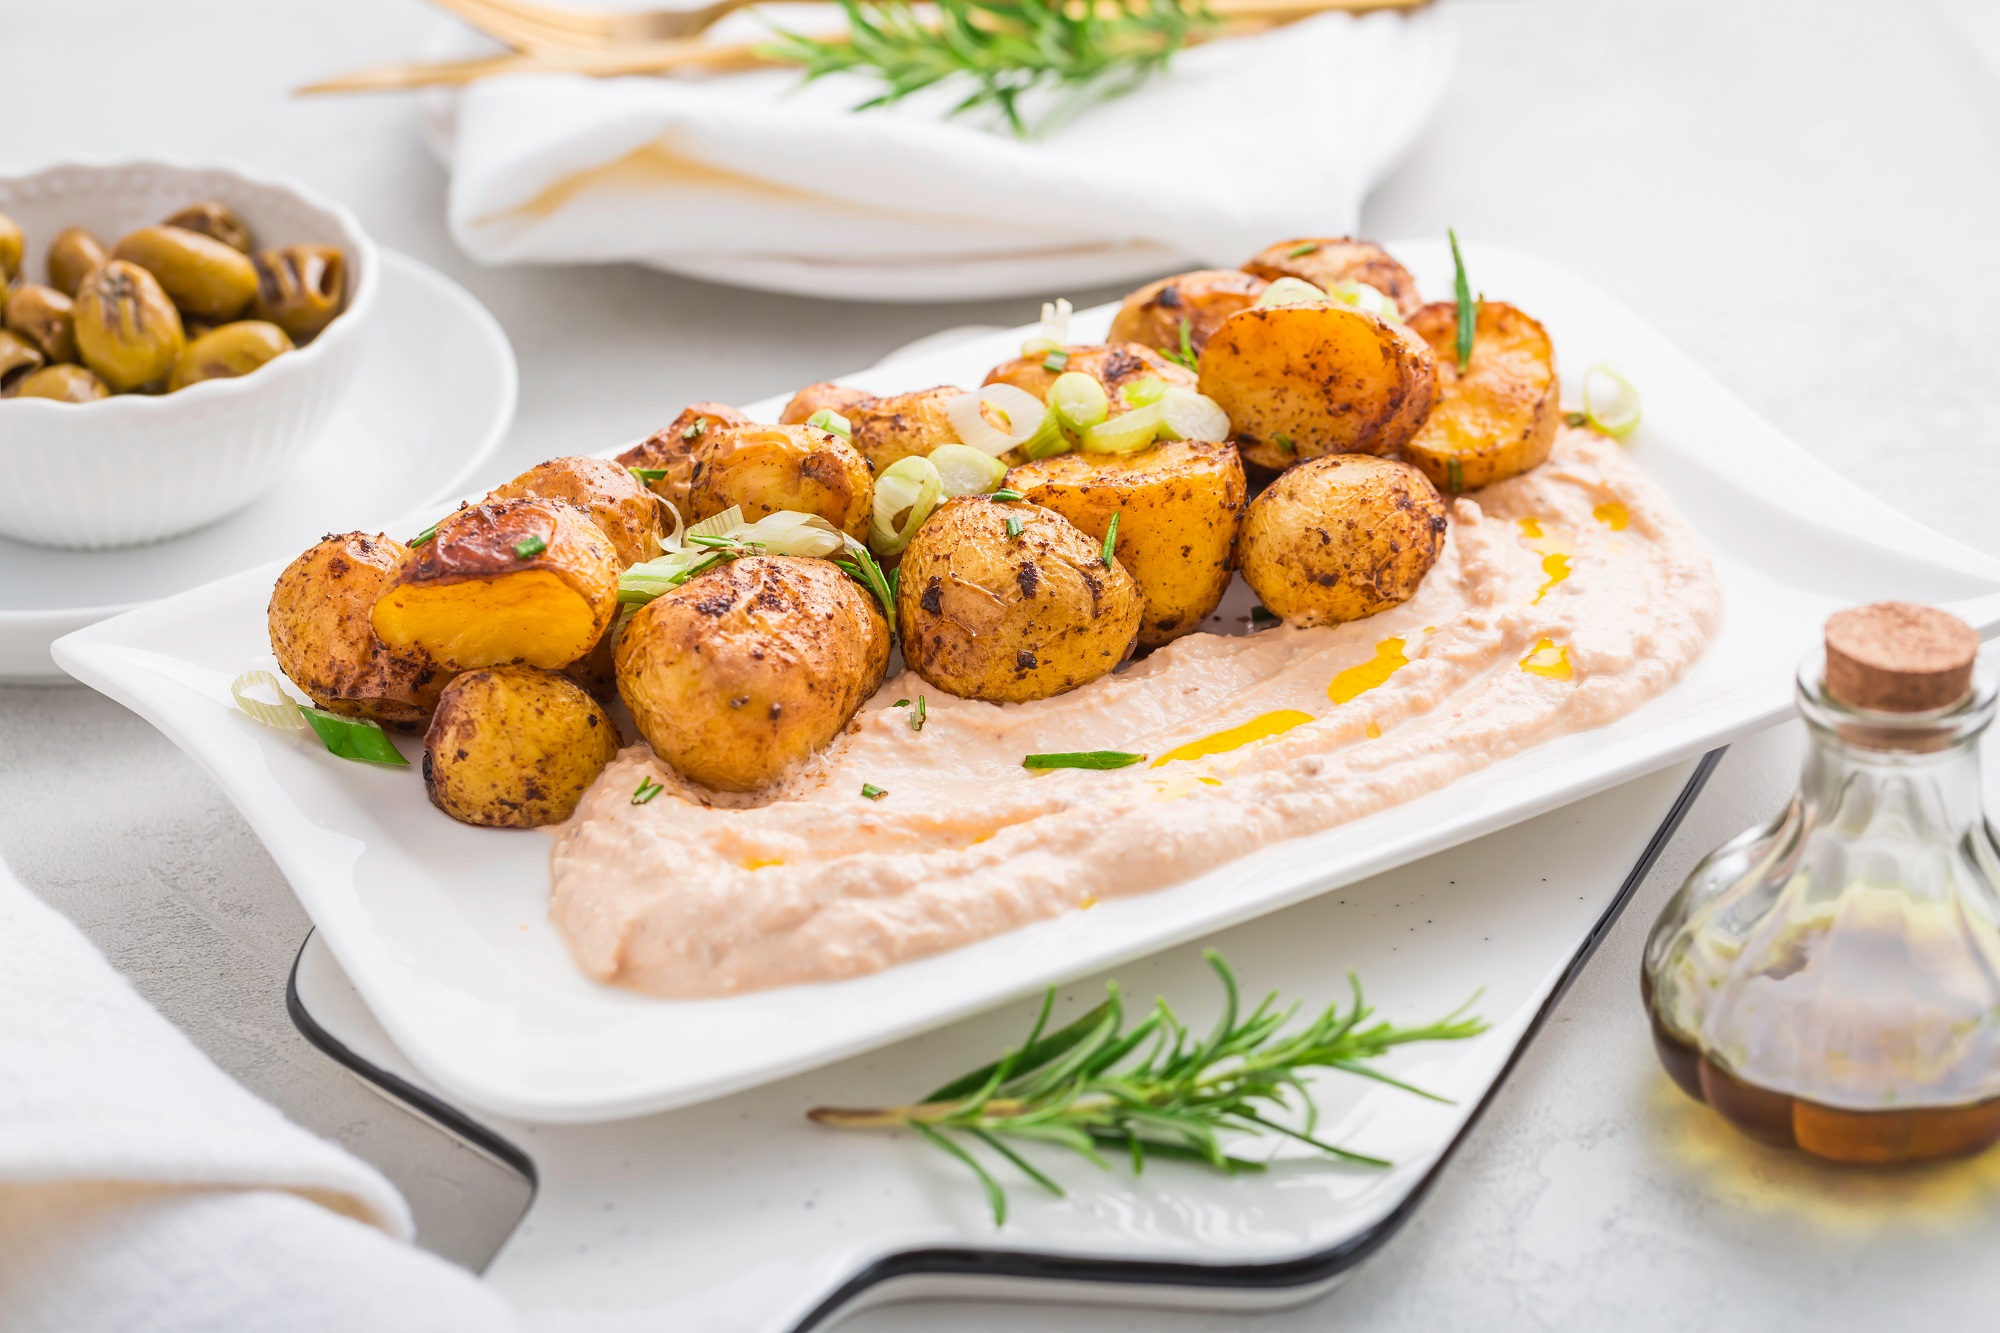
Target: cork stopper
{"points": [[1895, 657]]}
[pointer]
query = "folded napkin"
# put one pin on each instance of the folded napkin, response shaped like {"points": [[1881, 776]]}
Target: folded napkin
{"points": [[142, 1190], [752, 178]]}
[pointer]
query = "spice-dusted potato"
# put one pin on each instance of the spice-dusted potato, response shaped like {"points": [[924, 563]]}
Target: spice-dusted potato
{"points": [[1498, 418], [671, 449], [616, 501], [743, 673], [1301, 381], [1153, 315], [764, 469], [1341, 538], [515, 747], [1114, 365], [1179, 505], [1326, 260], [505, 582], [987, 614], [887, 430], [825, 396], [324, 642]]}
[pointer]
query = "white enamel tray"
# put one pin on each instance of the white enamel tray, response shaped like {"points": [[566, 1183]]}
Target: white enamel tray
{"points": [[444, 929]]}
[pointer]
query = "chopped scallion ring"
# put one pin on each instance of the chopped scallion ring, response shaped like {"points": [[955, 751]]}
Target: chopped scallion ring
{"points": [[872, 792], [1145, 391], [1610, 402], [1079, 401], [1003, 495], [908, 492], [1099, 759], [646, 477], [1013, 529], [1057, 361], [965, 471], [280, 716], [1291, 291], [1126, 433], [647, 790], [693, 430], [529, 547], [1021, 410], [1035, 347], [832, 422], [1111, 539], [1187, 415]]}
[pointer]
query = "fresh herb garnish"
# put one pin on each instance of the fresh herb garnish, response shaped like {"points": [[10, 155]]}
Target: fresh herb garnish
{"points": [[1057, 361], [1468, 309], [1083, 759], [353, 738], [1301, 249], [1111, 539], [647, 475], [1575, 419], [693, 430], [900, 703], [1081, 1088], [831, 422], [872, 792], [646, 791], [529, 547], [861, 567], [1454, 475], [423, 536], [1284, 443], [920, 716], [1185, 358], [1013, 529], [1003, 495]]}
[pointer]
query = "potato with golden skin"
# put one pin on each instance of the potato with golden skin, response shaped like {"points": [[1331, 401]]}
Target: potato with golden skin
{"points": [[505, 582], [1498, 417], [986, 614], [320, 632], [621, 506], [1339, 538], [1179, 505], [1115, 365], [743, 673], [825, 396], [671, 450], [902, 425], [764, 469], [1153, 315], [1326, 260], [515, 747], [1303, 381]]}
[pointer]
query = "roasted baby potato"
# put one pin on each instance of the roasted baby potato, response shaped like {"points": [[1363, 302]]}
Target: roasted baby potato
{"points": [[671, 450], [1340, 538], [745, 672], [887, 430], [616, 501], [1154, 314], [1114, 365], [505, 582], [1326, 260], [822, 397], [764, 469], [986, 614], [1179, 505], [1301, 381], [1498, 418], [515, 747], [324, 643]]}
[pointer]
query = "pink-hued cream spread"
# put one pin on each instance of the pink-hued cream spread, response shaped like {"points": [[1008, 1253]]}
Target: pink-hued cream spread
{"points": [[1563, 600]]}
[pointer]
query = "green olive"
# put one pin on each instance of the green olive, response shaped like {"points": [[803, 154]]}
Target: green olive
{"points": [[43, 316], [65, 384], [12, 245], [126, 328], [18, 359], [73, 253], [203, 276], [215, 219], [300, 288], [232, 350]]}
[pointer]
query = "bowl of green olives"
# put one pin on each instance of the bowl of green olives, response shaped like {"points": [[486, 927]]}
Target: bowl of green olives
{"points": [[172, 338]]}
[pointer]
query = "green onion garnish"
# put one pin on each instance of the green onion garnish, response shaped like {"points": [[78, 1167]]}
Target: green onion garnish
{"points": [[1468, 309], [859, 565], [920, 716], [1013, 529], [900, 703], [694, 430], [1083, 759], [832, 422], [1185, 357], [1575, 419], [353, 738], [872, 792], [423, 536], [647, 475], [529, 547], [647, 790], [1302, 248], [1284, 443], [1004, 494], [1111, 539], [1454, 475], [1057, 360]]}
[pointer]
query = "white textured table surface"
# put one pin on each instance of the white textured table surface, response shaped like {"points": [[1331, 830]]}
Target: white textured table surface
{"points": [[1802, 193]]}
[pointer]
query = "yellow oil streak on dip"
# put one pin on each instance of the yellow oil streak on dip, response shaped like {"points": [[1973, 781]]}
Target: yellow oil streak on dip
{"points": [[1374, 730], [1557, 568], [758, 863], [1548, 660], [1256, 729], [1358, 680], [1531, 527], [1612, 515]]}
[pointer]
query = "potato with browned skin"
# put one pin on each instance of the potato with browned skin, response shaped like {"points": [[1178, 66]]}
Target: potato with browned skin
{"points": [[1154, 315], [1116, 366], [1326, 260], [618, 502], [1339, 538], [1497, 418], [1011, 615], [1178, 504], [670, 450], [825, 396], [505, 582], [515, 747], [764, 469], [740, 675], [324, 643]]}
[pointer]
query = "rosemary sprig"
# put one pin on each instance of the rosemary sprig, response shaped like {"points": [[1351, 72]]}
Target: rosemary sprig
{"points": [[1085, 1087], [1006, 49]]}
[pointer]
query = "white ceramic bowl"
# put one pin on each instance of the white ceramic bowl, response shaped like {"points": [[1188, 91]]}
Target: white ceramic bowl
{"points": [[135, 468]]}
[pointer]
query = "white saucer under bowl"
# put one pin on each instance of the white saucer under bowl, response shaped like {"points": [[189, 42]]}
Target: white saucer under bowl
{"points": [[434, 396]]}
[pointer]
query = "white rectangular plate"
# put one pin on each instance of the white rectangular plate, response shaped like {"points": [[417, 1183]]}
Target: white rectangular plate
{"points": [[444, 930]]}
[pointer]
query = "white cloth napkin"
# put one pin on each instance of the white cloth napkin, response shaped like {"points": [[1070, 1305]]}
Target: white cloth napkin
{"points": [[755, 179], [141, 1190]]}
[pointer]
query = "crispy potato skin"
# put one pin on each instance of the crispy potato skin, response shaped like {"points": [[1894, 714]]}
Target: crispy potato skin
{"points": [[1326, 377], [825, 396], [768, 468], [325, 644], [988, 616], [1152, 315], [745, 672], [623, 509], [672, 448], [515, 747], [1339, 259], [1343, 537], [887, 429], [1114, 365], [1498, 419], [1179, 504], [468, 599]]}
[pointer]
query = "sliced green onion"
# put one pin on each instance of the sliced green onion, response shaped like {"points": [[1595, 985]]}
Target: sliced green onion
{"points": [[788, 532], [1055, 320], [1301, 249], [1454, 475], [1079, 400], [1186, 356], [693, 430], [908, 492], [646, 476], [1468, 309], [1575, 419], [646, 791], [966, 471], [832, 422], [529, 547], [353, 738], [1126, 433], [1363, 297], [1013, 529], [1021, 410], [1049, 438], [872, 792], [1187, 415], [1057, 361], [1291, 291], [1284, 443], [861, 567], [1083, 759], [1111, 539], [1610, 402], [280, 716], [423, 536], [900, 703], [1035, 347], [920, 716], [1005, 494], [1140, 392]]}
